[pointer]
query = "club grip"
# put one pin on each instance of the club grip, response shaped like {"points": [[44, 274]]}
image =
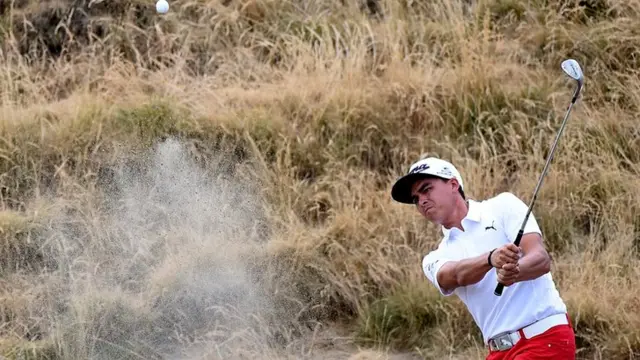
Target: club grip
{"points": [[500, 287]]}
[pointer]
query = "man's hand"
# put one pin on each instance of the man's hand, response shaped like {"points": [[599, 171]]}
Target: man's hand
{"points": [[507, 254], [508, 274]]}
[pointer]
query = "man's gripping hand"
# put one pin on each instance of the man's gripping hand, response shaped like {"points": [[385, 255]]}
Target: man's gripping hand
{"points": [[508, 274], [507, 254]]}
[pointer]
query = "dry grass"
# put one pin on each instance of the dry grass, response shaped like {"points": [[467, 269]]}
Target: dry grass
{"points": [[214, 182]]}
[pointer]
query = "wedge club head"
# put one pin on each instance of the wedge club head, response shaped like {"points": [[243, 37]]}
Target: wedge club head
{"points": [[573, 69]]}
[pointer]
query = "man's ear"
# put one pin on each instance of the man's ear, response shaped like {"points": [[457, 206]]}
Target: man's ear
{"points": [[455, 184]]}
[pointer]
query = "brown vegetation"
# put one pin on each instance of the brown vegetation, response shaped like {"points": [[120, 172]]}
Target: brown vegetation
{"points": [[214, 182]]}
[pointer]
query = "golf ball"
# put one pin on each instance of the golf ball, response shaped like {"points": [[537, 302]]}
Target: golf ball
{"points": [[162, 6]]}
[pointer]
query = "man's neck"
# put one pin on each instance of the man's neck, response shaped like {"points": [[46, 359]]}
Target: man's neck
{"points": [[459, 212]]}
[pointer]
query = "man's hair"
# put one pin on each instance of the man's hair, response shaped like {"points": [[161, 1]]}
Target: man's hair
{"points": [[462, 193]]}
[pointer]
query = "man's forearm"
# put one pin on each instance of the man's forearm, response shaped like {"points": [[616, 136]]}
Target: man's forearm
{"points": [[533, 265], [470, 271], [463, 272]]}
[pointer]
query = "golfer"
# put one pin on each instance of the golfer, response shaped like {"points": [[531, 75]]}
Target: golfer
{"points": [[529, 320]]}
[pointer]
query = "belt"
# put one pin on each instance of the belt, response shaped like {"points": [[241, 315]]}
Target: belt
{"points": [[506, 341]]}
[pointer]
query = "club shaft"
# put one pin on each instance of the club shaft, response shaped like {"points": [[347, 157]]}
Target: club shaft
{"points": [[546, 167], [500, 287]]}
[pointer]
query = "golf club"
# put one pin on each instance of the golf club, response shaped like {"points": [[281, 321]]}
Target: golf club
{"points": [[571, 68]]}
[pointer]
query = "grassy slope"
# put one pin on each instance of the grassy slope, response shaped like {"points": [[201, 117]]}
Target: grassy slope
{"points": [[325, 104]]}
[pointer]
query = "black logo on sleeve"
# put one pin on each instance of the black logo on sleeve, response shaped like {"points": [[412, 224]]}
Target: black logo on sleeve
{"points": [[431, 265], [490, 227]]}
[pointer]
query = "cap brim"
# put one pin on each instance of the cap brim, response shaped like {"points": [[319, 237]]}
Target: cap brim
{"points": [[401, 190]]}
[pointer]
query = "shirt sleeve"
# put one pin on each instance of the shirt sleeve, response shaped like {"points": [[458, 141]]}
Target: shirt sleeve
{"points": [[514, 210], [432, 263]]}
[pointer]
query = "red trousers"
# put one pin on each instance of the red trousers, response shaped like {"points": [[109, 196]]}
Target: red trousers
{"points": [[558, 343]]}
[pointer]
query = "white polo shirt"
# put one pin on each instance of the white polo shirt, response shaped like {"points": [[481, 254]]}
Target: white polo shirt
{"points": [[490, 224]]}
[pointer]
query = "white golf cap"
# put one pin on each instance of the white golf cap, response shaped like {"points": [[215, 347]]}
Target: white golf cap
{"points": [[430, 166]]}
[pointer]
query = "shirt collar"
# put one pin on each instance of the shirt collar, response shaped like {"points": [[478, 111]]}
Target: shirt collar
{"points": [[474, 214]]}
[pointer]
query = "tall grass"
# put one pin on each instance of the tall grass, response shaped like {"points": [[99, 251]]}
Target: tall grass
{"points": [[214, 182]]}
